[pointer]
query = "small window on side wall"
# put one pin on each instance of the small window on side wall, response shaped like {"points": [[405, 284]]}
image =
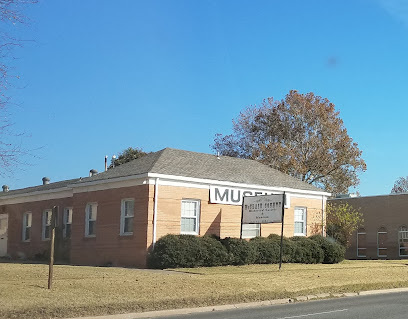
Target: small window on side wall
{"points": [[27, 219], [67, 222], [403, 241], [382, 242], [91, 211], [300, 221], [46, 224], [251, 230], [127, 216], [190, 216], [361, 243]]}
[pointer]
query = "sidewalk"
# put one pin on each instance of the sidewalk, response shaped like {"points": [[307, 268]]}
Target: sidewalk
{"points": [[186, 311]]}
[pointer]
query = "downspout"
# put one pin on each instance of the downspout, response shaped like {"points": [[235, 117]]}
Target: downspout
{"points": [[156, 197], [323, 233]]}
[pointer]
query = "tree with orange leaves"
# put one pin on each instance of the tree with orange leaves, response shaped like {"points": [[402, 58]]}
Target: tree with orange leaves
{"points": [[301, 135]]}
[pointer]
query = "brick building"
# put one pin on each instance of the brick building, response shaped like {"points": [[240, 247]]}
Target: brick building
{"points": [[115, 217], [384, 234]]}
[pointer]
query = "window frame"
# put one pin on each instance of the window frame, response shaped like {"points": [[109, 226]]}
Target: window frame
{"points": [[196, 217], [123, 216], [378, 247], [361, 231], [88, 220], [46, 222], [304, 221], [405, 231], [68, 211], [251, 227], [25, 226]]}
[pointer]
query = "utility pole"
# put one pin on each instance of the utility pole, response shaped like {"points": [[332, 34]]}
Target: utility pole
{"points": [[52, 241]]}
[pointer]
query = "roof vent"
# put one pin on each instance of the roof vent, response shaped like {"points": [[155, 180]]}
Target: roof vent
{"points": [[5, 188], [45, 180], [93, 172]]}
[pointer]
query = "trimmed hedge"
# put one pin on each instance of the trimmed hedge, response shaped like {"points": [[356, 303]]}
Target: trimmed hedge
{"points": [[240, 251], [307, 251], [188, 251], [333, 251]]}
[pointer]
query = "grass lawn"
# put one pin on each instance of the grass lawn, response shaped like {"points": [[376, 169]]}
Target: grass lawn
{"points": [[79, 291]]}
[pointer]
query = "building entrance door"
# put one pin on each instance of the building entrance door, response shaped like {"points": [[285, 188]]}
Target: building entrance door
{"points": [[3, 234]]}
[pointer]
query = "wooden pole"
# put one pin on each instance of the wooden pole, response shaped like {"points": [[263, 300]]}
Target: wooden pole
{"points": [[52, 237], [281, 243]]}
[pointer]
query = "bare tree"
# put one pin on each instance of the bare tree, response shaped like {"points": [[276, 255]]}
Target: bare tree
{"points": [[11, 15], [400, 185]]}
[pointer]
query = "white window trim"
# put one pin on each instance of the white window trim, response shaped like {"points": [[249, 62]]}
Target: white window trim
{"points": [[362, 248], [399, 244], [197, 232], [256, 227], [25, 227], [304, 233], [44, 224], [123, 217], [64, 222], [378, 249], [87, 220]]}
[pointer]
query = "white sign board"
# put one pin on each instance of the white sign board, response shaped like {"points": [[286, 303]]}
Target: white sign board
{"points": [[262, 209]]}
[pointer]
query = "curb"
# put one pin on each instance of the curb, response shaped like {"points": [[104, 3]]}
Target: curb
{"points": [[186, 311]]}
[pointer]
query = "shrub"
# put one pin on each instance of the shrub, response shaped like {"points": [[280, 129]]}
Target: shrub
{"points": [[288, 247], [333, 251], [213, 252], [306, 251], [266, 250], [240, 251], [172, 251]]}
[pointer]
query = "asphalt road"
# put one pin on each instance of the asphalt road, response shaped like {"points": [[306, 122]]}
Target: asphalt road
{"points": [[384, 306]]}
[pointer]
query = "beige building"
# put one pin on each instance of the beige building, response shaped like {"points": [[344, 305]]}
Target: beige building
{"points": [[384, 234], [116, 216]]}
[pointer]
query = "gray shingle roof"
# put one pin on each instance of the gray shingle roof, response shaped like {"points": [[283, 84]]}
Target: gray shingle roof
{"points": [[188, 164], [204, 166], [37, 188]]}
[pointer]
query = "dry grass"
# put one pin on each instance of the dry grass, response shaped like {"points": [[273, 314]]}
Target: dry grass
{"points": [[79, 291]]}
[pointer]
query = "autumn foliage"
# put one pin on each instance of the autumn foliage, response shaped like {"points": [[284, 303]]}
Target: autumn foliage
{"points": [[301, 135]]}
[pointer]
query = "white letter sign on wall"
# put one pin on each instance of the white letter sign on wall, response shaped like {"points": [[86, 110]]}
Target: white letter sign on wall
{"points": [[262, 209], [233, 196]]}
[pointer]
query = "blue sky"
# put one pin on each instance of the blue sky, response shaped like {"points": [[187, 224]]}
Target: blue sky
{"points": [[101, 76]]}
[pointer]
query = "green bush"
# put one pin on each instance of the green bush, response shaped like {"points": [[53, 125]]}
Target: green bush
{"points": [[172, 251], [266, 250], [288, 247], [213, 252], [187, 251], [240, 251], [333, 251], [306, 251]]}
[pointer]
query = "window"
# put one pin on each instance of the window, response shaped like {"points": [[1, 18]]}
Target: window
{"points": [[381, 242], [127, 216], [190, 216], [27, 217], [300, 221], [67, 222], [361, 243], [90, 219], [403, 241], [46, 224], [251, 230]]}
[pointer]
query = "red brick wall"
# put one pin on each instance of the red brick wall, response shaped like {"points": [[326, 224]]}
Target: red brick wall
{"points": [[15, 245], [108, 246], [379, 211]]}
